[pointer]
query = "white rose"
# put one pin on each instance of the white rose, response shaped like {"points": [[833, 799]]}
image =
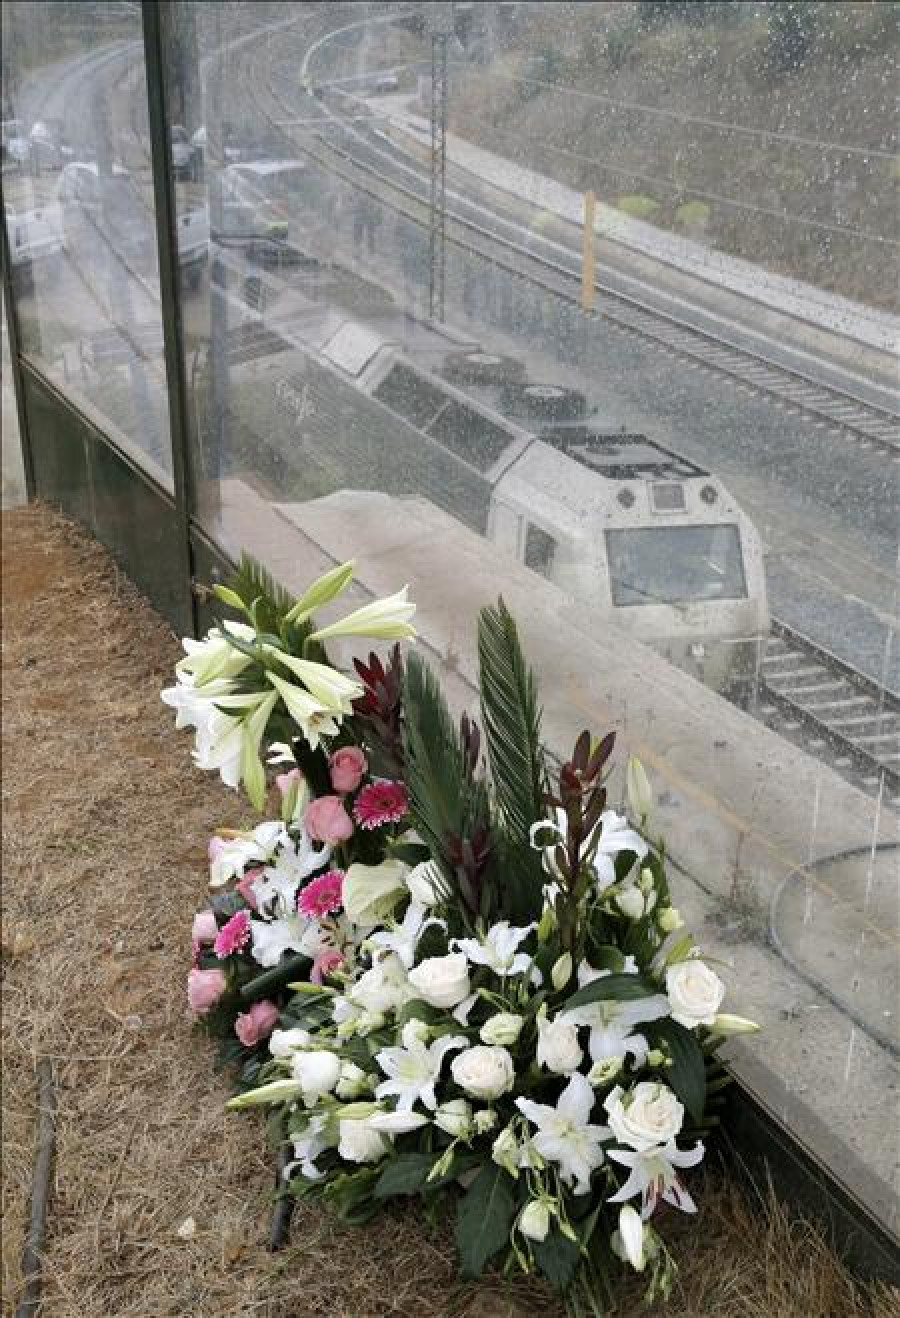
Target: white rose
{"points": [[360, 1143], [282, 1043], [649, 1116], [318, 1072], [695, 993], [534, 1221], [484, 1072], [558, 1048], [504, 1028], [424, 883], [442, 981], [455, 1117], [353, 1081]]}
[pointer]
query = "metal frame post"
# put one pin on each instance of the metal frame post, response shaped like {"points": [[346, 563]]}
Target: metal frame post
{"points": [[437, 213], [12, 326], [165, 214]]}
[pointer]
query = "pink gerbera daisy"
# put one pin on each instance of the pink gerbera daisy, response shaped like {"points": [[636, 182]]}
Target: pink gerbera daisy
{"points": [[382, 802], [233, 936], [322, 896]]}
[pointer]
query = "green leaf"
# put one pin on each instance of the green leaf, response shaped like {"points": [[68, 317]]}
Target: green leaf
{"points": [[512, 725], [612, 988], [252, 582], [687, 1074], [484, 1217], [296, 967], [405, 1174], [557, 1257]]}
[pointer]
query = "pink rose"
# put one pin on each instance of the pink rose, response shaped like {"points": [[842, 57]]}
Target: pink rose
{"points": [[205, 987], [245, 884], [204, 928], [326, 820], [285, 781], [326, 960], [347, 768], [257, 1023]]}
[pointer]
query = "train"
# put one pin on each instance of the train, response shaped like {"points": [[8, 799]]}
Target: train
{"points": [[635, 532]]}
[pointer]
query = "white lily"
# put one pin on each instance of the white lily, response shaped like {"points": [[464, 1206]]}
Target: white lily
{"points": [[653, 1176], [235, 854], [276, 891], [565, 1135], [403, 938], [307, 1147], [413, 1069], [272, 938], [385, 619], [314, 719], [279, 752], [194, 706], [611, 1024], [616, 835], [215, 657], [322, 591], [397, 1123], [324, 683], [497, 949], [384, 987]]}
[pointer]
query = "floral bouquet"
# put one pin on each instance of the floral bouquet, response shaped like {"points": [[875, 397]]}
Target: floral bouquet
{"points": [[285, 903], [526, 1024]]}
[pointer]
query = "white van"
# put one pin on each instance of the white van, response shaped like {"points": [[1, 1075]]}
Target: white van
{"points": [[34, 235]]}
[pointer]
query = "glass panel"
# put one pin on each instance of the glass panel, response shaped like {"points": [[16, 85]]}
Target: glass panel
{"points": [[680, 472], [79, 212], [13, 469]]}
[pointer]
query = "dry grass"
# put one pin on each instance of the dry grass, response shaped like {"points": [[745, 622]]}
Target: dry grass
{"points": [[104, 827]]}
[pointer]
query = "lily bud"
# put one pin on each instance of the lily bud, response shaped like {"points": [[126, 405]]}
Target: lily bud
{"points": [[631, 1234], [562, 971], [726, 1024], [637, 788], [669, 919], [534, 1220], [547, 925]]}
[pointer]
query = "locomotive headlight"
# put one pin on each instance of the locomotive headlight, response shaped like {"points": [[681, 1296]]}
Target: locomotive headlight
{"points": [[626, 498], [698, 650], [709, 494]]}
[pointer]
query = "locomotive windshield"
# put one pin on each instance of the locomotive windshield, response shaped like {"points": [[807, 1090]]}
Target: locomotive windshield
{"points": [[675, 564]]}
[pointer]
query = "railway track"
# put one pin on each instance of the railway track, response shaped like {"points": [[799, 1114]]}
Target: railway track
{"points": [[869, 425], [803, 691], [818, 700]]}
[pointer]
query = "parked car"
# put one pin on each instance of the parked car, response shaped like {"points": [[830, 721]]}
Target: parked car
{"points": [[35, 236], [15, 148], [49, 145], [184, 153]]}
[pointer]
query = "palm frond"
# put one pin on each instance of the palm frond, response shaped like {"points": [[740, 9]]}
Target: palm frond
{"points": [[512, 726], [254, 582], [450, 808]]}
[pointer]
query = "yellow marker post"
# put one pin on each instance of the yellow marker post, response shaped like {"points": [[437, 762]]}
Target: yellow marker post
{"points": [[587, 255]]}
